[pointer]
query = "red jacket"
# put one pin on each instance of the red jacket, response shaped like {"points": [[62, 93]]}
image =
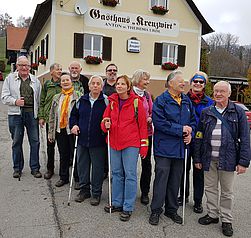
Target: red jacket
{"points": [[126, 130]]}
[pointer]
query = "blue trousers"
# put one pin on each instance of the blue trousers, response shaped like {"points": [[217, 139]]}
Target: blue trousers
{"points": [[124, 177], [17, 123]]}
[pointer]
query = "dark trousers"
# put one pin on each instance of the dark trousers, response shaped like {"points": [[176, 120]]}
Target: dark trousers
{"points": [[166, 184], [198, 182], [146, 173], [63, 142], [91, 164], [50, 152], [72, 147]]}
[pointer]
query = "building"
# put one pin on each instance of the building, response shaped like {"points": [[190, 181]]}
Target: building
{"points": [[140, 34]]}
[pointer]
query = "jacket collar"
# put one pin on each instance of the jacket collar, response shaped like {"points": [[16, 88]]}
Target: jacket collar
{"points": [[16, 77], [87, 96], [169, 98]]}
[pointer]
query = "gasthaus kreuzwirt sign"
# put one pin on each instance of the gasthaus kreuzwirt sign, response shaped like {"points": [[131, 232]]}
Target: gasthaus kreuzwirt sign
{"points": [[124, 21]]}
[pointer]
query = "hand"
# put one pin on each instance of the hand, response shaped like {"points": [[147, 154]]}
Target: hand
{"points": [[187, 130], [149, 120], [20, 102], [51, 140], [143, 151], [41, 122], [198, 165], [75, 130], [187, 139], [107, 122], [240, 169]]}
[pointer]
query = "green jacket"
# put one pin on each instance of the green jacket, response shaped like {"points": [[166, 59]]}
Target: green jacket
{"points": [[49, 89]]}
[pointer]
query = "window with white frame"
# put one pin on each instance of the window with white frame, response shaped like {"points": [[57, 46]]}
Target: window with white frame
{"points": [[162, 3], [92, 45], [169, 53]]}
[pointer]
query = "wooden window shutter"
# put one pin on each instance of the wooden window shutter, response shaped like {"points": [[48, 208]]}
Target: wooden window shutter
{"points": [[31, 57], [38, 51], [47, 46], [158, 53], [181, 55], [107, 49], [78, 45], [36, 61], [42, 47]]}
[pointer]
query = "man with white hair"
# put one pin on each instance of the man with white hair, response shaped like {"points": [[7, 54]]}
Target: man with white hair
{"points": [[222, 146], [21, 92]]}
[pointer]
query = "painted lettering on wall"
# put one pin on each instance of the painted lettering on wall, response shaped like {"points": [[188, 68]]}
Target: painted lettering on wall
{"points": [[131, 22]]}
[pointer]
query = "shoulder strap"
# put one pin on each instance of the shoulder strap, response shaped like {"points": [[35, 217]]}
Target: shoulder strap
{"points": [[136, 109]]}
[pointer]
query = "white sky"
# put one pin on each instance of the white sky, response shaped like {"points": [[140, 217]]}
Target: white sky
{"points": [[227, 16]]}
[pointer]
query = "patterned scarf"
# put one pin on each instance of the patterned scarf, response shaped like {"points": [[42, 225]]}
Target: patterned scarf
{"points": [[65, 106], [195, 98], [138, 91]]}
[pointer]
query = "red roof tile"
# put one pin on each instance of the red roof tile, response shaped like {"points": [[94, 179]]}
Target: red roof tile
{"points": [[15, 37]]}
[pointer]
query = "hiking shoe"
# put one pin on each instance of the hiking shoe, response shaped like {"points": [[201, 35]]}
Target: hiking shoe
{"points": [[36, 174], [82, 196], [17, 174], [125, 216], [60, 183], [197, 208], [76, 186], [144, 199], [227, 229], [95, 201], [180, 201], [113, 209], [206, 220], [175, 217], [154, 219], [48, 174]]}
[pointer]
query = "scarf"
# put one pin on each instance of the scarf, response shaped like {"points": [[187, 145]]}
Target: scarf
{"points": [[196, 98], [138, 91], [65, 106]]}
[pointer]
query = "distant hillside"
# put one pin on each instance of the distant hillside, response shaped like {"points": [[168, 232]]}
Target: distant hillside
{"points": [[2, 47]]}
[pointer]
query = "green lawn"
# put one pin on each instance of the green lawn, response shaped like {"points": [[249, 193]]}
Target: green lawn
{"points": [[2, 47]]}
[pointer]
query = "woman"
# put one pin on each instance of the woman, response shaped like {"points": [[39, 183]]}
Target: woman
{"points": [[140, 81], [200, 101], [85, 120], [59, 125], [125, 118]]}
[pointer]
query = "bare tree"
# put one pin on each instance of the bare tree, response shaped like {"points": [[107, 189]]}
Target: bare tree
{"points": [[5, 20], [23, 21]]}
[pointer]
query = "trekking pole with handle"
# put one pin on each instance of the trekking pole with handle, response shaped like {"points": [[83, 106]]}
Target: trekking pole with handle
{"points": [[73, 166], [184, 188], [109, 173]]}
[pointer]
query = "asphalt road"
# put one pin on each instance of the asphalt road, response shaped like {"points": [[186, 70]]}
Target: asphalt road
{"points": [[36, 208]]}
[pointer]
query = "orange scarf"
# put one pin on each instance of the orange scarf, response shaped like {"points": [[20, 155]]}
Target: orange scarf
{"points": [[65, 106]]}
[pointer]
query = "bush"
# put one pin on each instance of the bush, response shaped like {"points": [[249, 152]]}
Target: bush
{"points": [[2, 65]]}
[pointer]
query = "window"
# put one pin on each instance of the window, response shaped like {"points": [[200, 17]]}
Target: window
{"points": [[92, 45], [159, 3], [169, 53], [165, 52], [42, 47], [47, 46]]}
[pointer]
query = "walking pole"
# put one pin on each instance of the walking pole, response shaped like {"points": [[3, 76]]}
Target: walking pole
{"points": [[109, 174], [73, 166], [184, 188]]}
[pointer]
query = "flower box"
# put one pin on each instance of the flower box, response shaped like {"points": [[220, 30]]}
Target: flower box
{"points": [[169, 66], [92, 59], [159, 10], [110, 3], [42, 60], [34, 66]]}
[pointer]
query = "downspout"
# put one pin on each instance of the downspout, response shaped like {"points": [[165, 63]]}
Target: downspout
{"points": [[53, 32]]}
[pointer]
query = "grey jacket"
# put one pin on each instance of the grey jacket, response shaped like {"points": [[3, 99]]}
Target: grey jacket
{"points": [[11, 92]]}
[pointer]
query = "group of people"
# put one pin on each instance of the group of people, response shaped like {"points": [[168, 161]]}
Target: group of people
{"points": [[73, 107]]}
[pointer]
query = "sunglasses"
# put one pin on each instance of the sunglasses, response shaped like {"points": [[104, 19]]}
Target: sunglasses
{"points": [[199, 81], [111, 70]]}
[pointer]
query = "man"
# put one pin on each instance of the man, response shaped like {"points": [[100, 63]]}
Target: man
{"points": [[110, 80], [49, 90], [222, 146], [80, 82], [21, 92], [174, 122]]}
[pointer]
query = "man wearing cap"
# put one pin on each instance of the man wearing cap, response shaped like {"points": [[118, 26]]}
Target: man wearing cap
{"points": [[174, 125], [200, 101]]}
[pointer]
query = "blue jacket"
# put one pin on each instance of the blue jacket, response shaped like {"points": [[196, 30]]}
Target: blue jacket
{"points": [[169, 118], [228, 159], [88, 120]]}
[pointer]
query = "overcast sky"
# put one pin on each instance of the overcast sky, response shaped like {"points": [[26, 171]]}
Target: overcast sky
{"points": [[227, 16]]}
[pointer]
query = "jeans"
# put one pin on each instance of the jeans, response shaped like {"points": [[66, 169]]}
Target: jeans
{"points": [[124, 177], [91, 160], [17, 123]]}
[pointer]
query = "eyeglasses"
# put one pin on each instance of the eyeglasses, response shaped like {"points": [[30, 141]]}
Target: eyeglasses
{"points": [[111, 70], [199, 81], [24, 65]]}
